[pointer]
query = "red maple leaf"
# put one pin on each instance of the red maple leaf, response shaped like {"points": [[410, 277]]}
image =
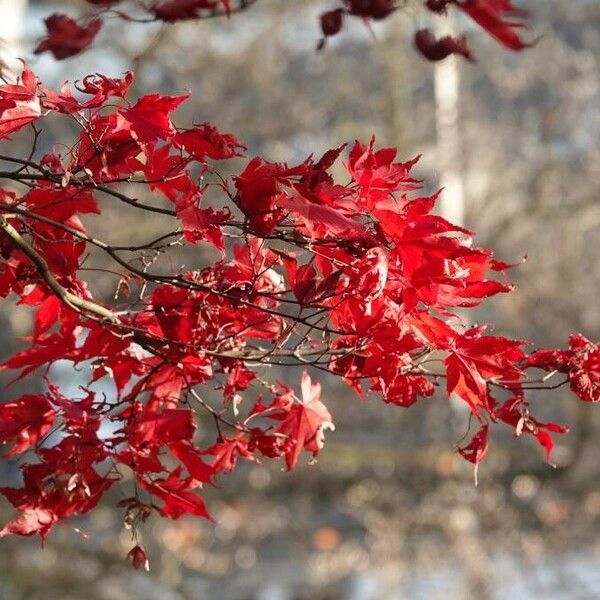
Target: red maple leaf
{"points": [[176, 10], [19, 104], [331, 21], [191, 458], [31, 521], [202, 224], [226, 452], [515, 412], [25, 421], [178, 495], [304, 422], [438, 49], [150, 116], [500, 18], [373, 9], [477, 448], [66, 37], [206, 141], [100, 87]]}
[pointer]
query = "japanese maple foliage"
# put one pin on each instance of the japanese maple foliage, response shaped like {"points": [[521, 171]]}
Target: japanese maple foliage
{"points": [[501, 19], [360, 280], [66, 37]]}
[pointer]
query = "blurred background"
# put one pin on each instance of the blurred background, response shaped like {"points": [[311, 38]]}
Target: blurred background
{"points": [[390, 511]]}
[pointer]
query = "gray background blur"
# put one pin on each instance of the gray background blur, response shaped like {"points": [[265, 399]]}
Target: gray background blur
{"points": [[389, 511]]}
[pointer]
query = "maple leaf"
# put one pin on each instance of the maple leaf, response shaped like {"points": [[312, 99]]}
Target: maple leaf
{"points": [[376, 172], [46, 349], [53, 492], [107, 148], [176, 10], [47, 314], [177, 315], [166, 172], [178, 495], [331, 24], [25, 421], [238, 378], [310, 288], [121, 364], [171, 425], [205, 141], [226, 452], [479, 359], [304, 422], [150, 116], [320, 219], [191, 458], [61, 204], [438, 49], [499, 18], [477, 448], [372, 274], [581, 363], [202, 224], [404, 390], [66, 37], [99, 86], [19, 104], [260, 190], [514, 412], [373, 9], [438, 6], [31, 521]]}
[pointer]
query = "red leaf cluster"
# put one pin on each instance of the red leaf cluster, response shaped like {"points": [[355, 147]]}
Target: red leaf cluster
{"points": [[581, 363], [500, 18], [361, 280]]}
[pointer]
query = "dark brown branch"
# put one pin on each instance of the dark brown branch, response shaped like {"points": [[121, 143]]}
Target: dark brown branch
{"points": [[71, 300]]}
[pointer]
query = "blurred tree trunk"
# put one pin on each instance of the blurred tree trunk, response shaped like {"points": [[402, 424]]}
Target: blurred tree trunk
{"points": [[11, 29], [449, 148]]}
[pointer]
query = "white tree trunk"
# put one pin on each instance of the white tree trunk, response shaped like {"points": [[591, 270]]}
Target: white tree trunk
{"points": [[12, 17], [449, 148]]}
